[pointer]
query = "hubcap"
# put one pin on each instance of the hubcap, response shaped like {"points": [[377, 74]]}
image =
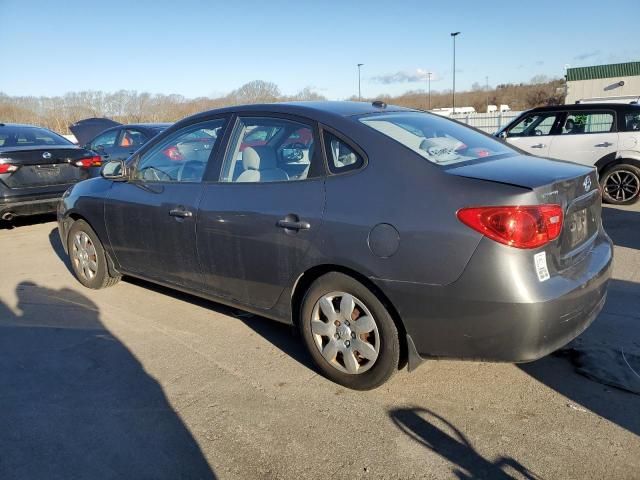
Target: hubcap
{"points": [[622, 185], [345, 332], [84, 256]]}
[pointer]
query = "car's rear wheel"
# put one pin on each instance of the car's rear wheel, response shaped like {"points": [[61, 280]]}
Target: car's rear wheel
{"points": [[621, 184], [88, 258], [348, 332]]}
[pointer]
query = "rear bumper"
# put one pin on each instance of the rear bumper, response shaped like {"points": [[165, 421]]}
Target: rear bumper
{"points": [[29, 205], [493, 313]]}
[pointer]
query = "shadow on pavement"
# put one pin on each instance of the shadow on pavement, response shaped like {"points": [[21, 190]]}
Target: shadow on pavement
{"points": [[623, 226], [440, 436], [76, 403], [278, 334], [27, 220]]}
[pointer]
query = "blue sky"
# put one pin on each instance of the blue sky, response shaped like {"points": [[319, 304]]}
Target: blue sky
{"points": [[197, 48]]}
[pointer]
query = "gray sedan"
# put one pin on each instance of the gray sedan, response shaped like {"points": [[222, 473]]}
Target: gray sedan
{"points": [[386, 235]]}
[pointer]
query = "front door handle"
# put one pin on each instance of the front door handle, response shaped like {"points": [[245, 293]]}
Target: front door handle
{"points": [[180, 213], [538, 145], [604, 144], [293, 222]]}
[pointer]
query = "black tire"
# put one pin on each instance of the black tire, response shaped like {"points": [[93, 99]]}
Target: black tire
{"points": [[621, 184], [387, 360], [101, 278]]}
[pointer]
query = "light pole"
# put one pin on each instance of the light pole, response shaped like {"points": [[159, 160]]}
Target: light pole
{"points": [[359, 91], [429, 90], [487, 83], [454, 35]]}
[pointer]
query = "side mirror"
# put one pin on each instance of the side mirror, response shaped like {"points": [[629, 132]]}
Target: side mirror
{"points": [[114, 170]]}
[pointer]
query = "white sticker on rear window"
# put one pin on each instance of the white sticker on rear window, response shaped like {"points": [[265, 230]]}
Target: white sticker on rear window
{"points": [[540, 260]]}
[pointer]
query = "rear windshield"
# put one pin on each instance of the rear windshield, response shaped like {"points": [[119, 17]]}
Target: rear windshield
{"points": [[437, 139], [14, 136]]}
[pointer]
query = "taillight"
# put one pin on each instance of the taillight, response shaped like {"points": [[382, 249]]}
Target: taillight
{"points": [[7, 168], [89, 162], [516, 226]]}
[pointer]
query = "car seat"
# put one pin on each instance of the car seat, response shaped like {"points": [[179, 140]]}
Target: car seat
{"points": [[260, 165]]}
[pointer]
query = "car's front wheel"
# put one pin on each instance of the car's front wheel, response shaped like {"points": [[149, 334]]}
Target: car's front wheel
{"points": [[348, 332], [88, 258], [621, 184]]}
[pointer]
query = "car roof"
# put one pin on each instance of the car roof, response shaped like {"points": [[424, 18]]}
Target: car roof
{"points": [[22, 125], [313, 109], [148, 125], [588, 106]]}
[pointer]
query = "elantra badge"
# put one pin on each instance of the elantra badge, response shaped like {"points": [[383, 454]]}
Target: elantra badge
{"points": [[46, 155], [587, 184]]}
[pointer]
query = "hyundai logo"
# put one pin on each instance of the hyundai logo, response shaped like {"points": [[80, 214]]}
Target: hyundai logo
{"points": [[587, 184], [46, 155]]}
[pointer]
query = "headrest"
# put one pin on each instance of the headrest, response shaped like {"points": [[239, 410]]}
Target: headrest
{"points": [[259, 158]]}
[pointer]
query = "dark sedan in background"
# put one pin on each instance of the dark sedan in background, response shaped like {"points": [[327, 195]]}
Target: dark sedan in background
{"points": [[112, 140], [36, 167], [386, 235]]}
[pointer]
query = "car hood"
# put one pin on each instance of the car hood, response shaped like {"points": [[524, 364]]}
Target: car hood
{"points": [[520, 170], [85, 130]]}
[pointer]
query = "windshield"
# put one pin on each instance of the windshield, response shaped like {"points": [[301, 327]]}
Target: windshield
{"points": [[439, 140], [18, 136]]}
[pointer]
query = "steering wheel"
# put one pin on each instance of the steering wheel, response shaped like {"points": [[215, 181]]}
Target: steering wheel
{"points": [[296, 150]]}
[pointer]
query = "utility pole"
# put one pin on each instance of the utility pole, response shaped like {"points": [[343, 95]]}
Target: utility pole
{"points": [[359, 91], [487, 88], [429, 90], [454, 35]]}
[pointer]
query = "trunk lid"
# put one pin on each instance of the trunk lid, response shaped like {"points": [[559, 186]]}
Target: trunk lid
{"points": [[43, 166], [574, 187], [87, 129]]}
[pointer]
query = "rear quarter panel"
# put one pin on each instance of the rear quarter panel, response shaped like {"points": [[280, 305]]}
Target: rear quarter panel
{"points": [[420, 200]]}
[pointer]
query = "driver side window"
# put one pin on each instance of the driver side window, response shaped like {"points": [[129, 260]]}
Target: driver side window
{"points": [[183, 155], [536, 124]]}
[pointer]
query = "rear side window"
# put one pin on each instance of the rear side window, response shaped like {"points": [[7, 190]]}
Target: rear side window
{"points": [[340, 155], [132, 138], [632, 122], [587, 122], [269, 149], [437, 139], [29, 136]]}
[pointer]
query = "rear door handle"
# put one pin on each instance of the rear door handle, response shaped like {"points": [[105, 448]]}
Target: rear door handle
{"points": [[292, 222], [538, 145], [604, 144], [180, 213]]}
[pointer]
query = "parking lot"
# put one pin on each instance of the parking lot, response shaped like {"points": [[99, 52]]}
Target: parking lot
{"points": [[137, 381]]}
